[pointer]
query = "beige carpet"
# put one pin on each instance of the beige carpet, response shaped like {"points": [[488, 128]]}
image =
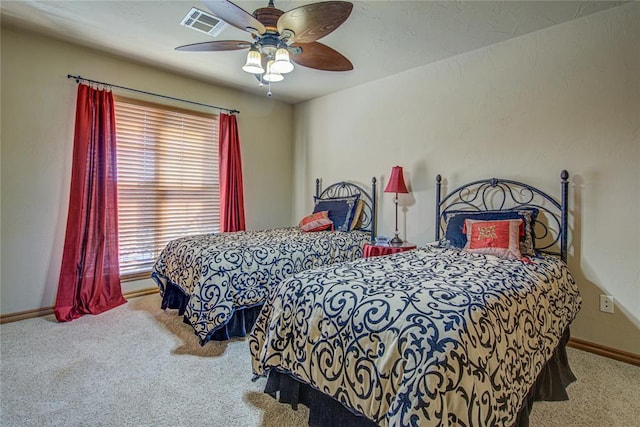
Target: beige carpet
{"points": [[137, 365]]}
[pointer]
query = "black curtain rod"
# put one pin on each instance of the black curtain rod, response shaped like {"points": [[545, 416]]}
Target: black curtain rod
{"points": [[78, 79]]}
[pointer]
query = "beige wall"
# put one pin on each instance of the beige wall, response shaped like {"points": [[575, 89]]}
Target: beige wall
{"points": [[567, 97], [38, 104]]}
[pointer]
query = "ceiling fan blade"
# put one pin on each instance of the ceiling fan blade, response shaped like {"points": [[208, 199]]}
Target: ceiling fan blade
{"points": [[215, 46], [235, 15], [321, 57], [313, 21]]}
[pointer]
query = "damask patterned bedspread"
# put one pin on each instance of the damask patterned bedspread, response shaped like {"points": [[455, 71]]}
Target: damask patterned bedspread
{"points": [[431, 337], [225, 271]]}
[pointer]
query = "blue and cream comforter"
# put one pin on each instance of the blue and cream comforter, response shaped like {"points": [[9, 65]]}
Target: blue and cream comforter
{"points": [[226, 271], [435, 336]]}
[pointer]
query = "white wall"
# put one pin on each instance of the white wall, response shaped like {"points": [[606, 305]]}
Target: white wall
{"points": [[567, 97], [38, 107]]}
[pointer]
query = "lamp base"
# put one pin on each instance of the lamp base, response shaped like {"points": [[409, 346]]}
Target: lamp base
{"points": [[396, 241]]}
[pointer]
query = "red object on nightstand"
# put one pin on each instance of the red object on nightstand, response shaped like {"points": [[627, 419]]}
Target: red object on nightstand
{"points": [[370, 250]]}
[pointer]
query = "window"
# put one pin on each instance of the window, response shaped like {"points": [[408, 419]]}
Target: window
{"points": [[168, 184]]}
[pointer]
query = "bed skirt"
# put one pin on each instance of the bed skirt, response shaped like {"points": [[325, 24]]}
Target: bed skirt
{"points": [[325, 411], [239, 325]]}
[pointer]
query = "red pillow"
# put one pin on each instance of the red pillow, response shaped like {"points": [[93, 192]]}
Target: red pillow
{"points": [[500, 238], [316, 222]]}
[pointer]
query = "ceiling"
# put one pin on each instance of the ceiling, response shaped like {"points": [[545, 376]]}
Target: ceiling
{"points": [[380, 38]]}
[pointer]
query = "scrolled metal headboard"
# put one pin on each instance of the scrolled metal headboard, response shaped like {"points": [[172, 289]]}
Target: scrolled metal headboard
{"points": [[551, 226], [343, 188]]}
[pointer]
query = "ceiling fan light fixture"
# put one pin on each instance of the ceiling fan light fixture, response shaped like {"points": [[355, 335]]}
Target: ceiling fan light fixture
{"points": [[254, 62], [271, 75], [282, 64], [277, 35]]}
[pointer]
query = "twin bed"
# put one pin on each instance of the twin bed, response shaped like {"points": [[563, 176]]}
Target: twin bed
{"points": [[452, 333], [219, 281], [468, 330]]}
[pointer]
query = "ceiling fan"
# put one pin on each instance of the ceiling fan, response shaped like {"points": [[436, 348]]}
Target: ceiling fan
{"points": [[281, 37]]}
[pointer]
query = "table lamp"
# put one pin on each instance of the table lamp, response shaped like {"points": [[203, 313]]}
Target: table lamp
{"points": [[396, 185]]}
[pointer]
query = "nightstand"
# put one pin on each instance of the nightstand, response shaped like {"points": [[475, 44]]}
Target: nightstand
{"points": [[371, 249]]}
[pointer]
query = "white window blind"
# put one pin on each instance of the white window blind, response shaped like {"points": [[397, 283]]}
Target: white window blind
{"points": [[168, 184]]}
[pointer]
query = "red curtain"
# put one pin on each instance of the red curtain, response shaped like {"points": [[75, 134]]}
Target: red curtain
{"points": [[90, 273], [231, 190]]}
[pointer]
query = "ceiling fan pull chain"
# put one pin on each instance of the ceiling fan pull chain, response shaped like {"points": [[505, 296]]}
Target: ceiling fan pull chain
{"points": [[269, 91]]}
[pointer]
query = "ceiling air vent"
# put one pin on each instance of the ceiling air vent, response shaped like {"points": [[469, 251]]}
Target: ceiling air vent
{"points": [[203, 22]]}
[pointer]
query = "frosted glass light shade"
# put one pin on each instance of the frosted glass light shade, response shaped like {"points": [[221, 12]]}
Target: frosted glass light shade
{"points": [[282, 64], [271, 75], [254, 62]]}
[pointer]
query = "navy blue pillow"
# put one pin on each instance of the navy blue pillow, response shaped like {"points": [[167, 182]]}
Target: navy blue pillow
{"points": [[341, 210], [455, 222]]}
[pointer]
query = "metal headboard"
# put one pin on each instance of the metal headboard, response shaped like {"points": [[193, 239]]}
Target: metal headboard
{"points": [[551, 226], [343, 188]]}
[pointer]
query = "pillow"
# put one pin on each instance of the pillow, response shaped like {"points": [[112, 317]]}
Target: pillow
{"points": [[357, 216], [454, 222], [500, 238], [316, 222], [341, 210]]}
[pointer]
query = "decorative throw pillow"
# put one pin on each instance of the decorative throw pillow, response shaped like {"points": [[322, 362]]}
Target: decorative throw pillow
{"points": [[316, 222], [357, 216], [341, 210], [454, 223], [500, 238]]}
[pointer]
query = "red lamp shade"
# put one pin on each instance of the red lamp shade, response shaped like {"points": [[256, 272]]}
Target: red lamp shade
{"points": [[396, 182]]}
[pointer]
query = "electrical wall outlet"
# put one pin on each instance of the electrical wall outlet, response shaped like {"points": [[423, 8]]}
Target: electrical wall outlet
{"points": [[606, 303]]}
